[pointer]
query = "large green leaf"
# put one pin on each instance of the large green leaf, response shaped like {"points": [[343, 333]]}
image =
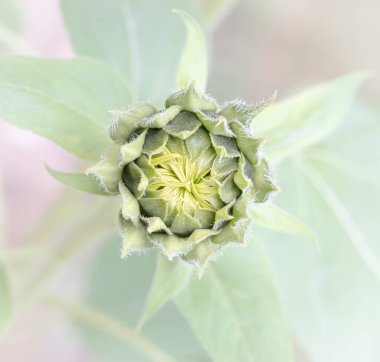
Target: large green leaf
{"points": [[193, 66], [5, 300], [307, 118], [333, 297], [65, 101], [234, 310], [169, 278], [141, 38]]}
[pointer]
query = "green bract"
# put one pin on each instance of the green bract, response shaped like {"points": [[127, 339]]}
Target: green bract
{"points": [[185, 174]]}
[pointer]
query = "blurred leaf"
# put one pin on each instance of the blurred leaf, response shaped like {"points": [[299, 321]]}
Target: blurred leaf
{"points": [[119, 288], [273, 217], [5, 300], [10, 14], [169, 278], [78, 181], [354, 169], [193, 66], [3, 215], [14, 43], [234, 310], [308, 118], [106, 32], [140, 38], [214, 11], [65, 101], [332, 297], [10, 38], [343, 217]]}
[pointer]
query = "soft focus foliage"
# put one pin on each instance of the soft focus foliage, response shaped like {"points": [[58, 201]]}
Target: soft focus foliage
{"points": [[5, 300], [307, 285]]}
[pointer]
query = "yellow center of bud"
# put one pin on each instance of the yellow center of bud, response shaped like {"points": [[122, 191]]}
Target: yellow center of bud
{"points": [[183, 184]]}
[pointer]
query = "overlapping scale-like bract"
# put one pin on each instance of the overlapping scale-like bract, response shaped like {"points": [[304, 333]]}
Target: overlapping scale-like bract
{"points": [[185, 174]]}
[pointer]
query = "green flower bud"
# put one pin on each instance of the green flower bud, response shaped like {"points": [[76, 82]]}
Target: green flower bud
{"points": [[185, 175]]}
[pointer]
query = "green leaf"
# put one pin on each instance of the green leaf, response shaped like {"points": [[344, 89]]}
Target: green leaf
{"points": [[77, 181], [234, 311], [65, 101], [193, 65], [307, 118], [138, 37], [169, 278], [5, 300], [273, 217]]}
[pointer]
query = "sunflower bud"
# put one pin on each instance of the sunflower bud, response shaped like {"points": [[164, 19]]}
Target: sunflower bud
{"points": [[185, 175]]}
